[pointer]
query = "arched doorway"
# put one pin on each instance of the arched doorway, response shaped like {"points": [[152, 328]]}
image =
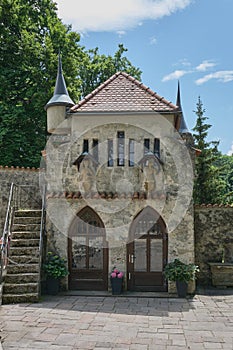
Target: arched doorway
{"points": [[87, 252], [147, 252]]}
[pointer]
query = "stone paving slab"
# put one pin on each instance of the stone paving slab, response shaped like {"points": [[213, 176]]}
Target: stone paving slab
{"points": [[119, 323]]}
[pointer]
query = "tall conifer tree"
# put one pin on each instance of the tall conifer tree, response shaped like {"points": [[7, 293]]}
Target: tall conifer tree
{"points": [[208, 186]]}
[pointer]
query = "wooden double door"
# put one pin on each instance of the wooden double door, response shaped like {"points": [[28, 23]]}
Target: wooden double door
{"points": [[88, 252], [147, 253]]}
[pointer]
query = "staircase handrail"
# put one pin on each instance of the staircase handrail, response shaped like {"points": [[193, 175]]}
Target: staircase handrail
{"points": [[42, 220], [42, 229], [5, 239], [13, 204]]}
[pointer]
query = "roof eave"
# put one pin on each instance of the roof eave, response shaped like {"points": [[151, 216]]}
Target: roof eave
{"points": [[59, 100], [80, 112]]}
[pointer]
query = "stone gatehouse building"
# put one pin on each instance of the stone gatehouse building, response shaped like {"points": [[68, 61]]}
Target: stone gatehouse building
{"points": [[119, 184]]}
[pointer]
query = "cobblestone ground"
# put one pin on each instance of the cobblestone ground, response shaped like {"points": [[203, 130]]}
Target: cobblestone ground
{"points": [[122, 323]]}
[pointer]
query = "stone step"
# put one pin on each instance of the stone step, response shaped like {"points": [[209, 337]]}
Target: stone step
{"points": [[26, 235], [21, 278], [27, 220], [25, 227], [28, 213], [20, 298], [22, 268], [31, 251], [22, 288], [23, 259], [25, 242]]}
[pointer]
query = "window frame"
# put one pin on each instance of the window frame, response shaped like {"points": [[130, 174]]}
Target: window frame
{"points": [[120, 148], [131, 152], [110, 150]]}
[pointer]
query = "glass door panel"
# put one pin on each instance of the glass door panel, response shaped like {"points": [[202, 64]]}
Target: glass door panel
{"points": [[140, 263], [156, 255], [79, 250], [96, 253]]}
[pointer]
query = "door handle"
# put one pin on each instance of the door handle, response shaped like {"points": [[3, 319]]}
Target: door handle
{"points": [[132, 258]]}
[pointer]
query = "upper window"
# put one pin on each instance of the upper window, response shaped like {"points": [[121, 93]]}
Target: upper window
{"points": [[131, 152], [85, 146], [95, 149], [110, 152], [157, 147], [146, 146], [121, 148]]}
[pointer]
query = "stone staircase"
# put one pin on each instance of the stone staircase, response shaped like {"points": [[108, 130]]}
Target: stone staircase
{"points": [[22, 279]]}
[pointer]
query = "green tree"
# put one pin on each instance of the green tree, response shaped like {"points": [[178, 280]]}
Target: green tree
{"points": [[31, 35], [95, 68], [225, 165], [209, 187]]}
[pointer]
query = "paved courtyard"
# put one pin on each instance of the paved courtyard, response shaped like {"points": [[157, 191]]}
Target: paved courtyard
{"points": [[121, 323]]}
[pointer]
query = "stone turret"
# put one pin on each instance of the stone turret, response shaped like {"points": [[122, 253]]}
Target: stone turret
{"points": [[57, 105]]}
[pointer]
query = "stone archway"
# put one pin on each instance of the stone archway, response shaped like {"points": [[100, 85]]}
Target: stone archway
{"points": [[87, 252], [147, 252]]}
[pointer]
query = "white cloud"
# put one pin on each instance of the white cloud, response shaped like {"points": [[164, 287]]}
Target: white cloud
{"points": [[121, 33], [175, 75], [111, 15], [183, 62], [223, 76], [153, 40], [202, 67], [230, 152]]}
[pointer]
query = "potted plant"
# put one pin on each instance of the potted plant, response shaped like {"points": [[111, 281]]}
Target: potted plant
{"points": [[116, 279], [181, 273], [55, 268]]}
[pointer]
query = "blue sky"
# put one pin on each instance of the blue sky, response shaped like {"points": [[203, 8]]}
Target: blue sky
{"points": [[189, 40]]}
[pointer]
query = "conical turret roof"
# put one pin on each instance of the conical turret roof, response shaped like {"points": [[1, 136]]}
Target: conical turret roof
{"points": [[183, 126], [61, 96]]}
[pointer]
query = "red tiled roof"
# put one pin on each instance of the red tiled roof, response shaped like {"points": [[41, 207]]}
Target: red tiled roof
{"points": [[120, 93]]}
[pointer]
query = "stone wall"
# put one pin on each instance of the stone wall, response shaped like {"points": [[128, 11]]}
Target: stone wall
{"points": [[117, 194], [213, 238], [28, 191], [213, 225]]}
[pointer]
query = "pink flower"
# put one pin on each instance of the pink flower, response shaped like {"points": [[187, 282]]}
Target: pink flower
{"points": [[116, 273]]}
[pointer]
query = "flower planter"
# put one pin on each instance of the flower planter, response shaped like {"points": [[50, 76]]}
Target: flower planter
{"points": [[182, 274], [53, 286], [222, 274], [182, 288], [117, 285]]}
